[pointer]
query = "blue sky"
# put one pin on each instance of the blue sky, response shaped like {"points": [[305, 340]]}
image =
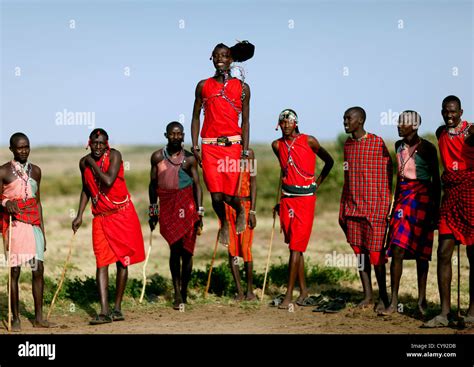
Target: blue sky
{"points": [[317, 57]]}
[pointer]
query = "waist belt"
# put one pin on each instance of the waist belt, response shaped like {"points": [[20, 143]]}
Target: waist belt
{"points": [[299, 190], [113, 211], [225, 141]]}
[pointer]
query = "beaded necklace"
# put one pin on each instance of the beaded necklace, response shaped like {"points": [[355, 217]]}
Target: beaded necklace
{"points": [[95, 199], [291, 162], [168, 158], [23, 173], [403, 162], [458, 130]]}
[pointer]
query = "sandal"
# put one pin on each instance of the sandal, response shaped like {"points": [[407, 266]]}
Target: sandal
{"points": [[335, 305], [322, 304], [469, 319], [309, 301], [44, 324], [277, 300], [437, 321], [117, 315], [101, 319]]}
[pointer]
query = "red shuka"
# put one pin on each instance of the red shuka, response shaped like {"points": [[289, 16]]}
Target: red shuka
{"points": [[457, 206], [222, 106], [116, 230], [297, 160]]}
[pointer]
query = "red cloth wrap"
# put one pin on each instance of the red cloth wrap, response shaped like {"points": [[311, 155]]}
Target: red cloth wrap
{"points": [[178, 217]]}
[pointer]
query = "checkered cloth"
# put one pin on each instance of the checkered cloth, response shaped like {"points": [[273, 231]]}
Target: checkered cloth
{"points": [[29, 213], [178, 214], [368, 172], [457, 206], [411, 226]]}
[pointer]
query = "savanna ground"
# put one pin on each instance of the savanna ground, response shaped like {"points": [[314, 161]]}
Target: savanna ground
{"points": [[217, 313]]}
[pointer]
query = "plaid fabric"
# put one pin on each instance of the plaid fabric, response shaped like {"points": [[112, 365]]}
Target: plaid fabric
{"points": [[178, 213], [457, 206], [411, 222], [367, 236], [29, 213], [366, 191]]}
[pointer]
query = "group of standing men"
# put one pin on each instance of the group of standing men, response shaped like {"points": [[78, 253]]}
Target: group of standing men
{"points": [[374, 227]]}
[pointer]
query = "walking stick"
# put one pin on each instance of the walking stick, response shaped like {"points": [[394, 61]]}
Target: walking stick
{"points": [[9, 323], [63, 276], [271, 239], [387, 228], [212, 264], [460, 319], [144, 268]]}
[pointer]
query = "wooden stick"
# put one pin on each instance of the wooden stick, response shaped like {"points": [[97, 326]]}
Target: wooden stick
{"points": [[268, 258], [212, 264], [387, 228], [271, 239], [63, 276], [9, 324], [144, 268], [459, 282]]}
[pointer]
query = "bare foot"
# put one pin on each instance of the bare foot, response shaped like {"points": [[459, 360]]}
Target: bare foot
{"points": [[365, 303], [285, 303], [388, 311], [250, 296], [43, 324], [224, 233], [16, 325], [302, 297], [177, 301], [240, 222], [381, 306], [239, 297]]}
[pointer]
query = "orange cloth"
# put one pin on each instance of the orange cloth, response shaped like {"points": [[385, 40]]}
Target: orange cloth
{"points": [[240, 244]]}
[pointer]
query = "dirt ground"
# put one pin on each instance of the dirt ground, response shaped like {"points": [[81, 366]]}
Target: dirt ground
{"points": [[222, 315], [232, 318]]}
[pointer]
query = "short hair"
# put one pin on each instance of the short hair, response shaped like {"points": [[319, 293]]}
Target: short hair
{"points": [[17, 136], [416, 115], [359, 110], [174, 124], [97, 132], [451, 98], [221, 45]]}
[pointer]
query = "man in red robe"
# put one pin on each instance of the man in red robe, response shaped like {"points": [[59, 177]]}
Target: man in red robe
{"points": [[174, 183], [297, 153], [456, 226], [116, 232], [365, 201], [223, 98]]}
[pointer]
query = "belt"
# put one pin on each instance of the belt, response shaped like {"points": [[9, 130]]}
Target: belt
{"points": [[113, 211], [223, 140]]}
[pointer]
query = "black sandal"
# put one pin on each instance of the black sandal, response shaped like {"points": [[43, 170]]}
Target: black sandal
{"points": [[117, 315], [101, 319]]}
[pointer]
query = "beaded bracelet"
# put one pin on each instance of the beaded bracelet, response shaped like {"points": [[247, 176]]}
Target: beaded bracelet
{"points": [[153, 210]]}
